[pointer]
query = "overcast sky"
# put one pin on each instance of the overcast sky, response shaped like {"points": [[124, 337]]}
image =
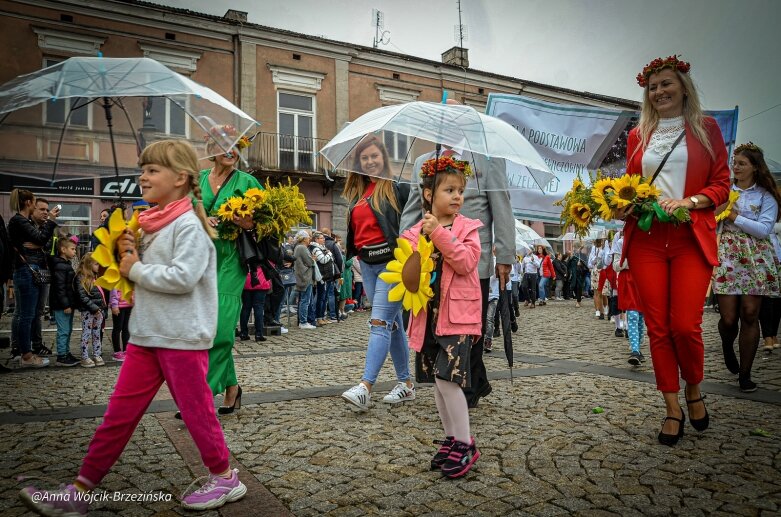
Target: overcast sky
{"points": [[588, 45]]}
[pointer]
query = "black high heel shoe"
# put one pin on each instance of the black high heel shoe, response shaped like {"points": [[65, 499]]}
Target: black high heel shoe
{"points": [[700, 424], [227, 410], [672, 439]]}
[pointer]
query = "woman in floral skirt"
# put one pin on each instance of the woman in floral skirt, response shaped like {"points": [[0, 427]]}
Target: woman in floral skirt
{"points": [[747, 269]]}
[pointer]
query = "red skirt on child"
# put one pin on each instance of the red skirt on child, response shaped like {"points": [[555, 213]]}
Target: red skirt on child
{"points": [[627, 294]]}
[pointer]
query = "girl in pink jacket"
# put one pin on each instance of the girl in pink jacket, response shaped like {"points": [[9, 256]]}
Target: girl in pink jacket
{"points": [[443, 334]]}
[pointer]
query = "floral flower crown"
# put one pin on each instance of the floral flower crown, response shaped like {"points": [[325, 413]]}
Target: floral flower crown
{"points": [[659, 64], [225, 132], [748, 146], [445, 164]]}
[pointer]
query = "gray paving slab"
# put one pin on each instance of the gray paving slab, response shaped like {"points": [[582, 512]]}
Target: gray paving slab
{"points": [[544, 452]]}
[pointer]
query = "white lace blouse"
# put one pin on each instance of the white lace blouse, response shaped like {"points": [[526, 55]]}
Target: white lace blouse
{"points": [[672, 177]]}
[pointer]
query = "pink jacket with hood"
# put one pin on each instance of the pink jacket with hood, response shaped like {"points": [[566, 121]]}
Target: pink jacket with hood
{"points": [[460, 308]]}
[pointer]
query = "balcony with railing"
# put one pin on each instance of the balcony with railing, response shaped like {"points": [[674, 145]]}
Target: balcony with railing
{"points": [[289, 154]]}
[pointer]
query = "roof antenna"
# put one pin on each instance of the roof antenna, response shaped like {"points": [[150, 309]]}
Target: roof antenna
{"points": [[378, 22]]}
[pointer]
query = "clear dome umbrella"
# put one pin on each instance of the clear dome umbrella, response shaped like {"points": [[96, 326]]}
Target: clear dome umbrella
{"points": [[134, 87], [416, 127]]}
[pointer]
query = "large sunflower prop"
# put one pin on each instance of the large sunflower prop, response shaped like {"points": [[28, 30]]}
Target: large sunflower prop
{"points": [[411, 271], [105, 253]]}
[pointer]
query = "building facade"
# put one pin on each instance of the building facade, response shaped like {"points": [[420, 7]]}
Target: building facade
{"points": [[301, 89]]}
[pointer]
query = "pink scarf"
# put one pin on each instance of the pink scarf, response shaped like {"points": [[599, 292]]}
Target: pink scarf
{"points": [[154, 219]]}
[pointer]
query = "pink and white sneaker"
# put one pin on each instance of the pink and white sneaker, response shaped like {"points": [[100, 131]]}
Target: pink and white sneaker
{"points": [[118, 356], [216, 492], [65, 501]]}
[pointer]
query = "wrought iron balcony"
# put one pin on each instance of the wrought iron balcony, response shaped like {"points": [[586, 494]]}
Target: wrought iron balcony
{"points": [[288, 154]]}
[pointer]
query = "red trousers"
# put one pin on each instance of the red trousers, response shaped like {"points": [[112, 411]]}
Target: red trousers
{"points": [[140, 376], [671, 279]]}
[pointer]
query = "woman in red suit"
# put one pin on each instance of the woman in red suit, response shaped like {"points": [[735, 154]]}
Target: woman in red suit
{"points": [[672, 264]]}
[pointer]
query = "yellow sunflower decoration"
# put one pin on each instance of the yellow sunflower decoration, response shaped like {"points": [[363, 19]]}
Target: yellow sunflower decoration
{"points": [[105, 253], [602, 187], [411, 271], [734, 195]]}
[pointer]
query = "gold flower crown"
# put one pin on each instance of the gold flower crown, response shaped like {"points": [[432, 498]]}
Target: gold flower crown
{"points": [[660, 64], [445, 164], [748, 146]]}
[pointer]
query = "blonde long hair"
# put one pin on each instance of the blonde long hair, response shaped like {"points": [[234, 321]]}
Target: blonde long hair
{"points": [[356, 183], [692, 114], [85, 273], [19, 198], [179, 156]]}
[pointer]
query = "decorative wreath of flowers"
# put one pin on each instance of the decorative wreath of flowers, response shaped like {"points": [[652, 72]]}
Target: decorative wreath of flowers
{"points": [[105, 253], [445, 164], [411, 272], [748, 146], [226, 133], [659, 64]]}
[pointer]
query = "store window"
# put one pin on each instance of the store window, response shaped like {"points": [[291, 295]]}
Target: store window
{"points": [[166, 115], [397, 145]]}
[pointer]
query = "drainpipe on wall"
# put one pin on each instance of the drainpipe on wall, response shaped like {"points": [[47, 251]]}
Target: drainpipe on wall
{"points": [[236, 68]]}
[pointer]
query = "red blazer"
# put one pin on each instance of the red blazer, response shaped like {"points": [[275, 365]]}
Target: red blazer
{"points": [[704, 175]]}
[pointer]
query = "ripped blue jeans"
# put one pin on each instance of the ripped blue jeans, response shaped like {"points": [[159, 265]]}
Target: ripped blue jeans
{"points": [[384, 338]]}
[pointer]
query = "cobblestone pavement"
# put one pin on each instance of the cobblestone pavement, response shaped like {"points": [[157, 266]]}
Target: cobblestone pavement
{"points": [[544, 452]]}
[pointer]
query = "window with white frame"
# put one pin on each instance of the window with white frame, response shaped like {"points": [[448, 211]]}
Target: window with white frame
{"points": [[56, 111], [397, 145], [296, 123], [166, 115]]}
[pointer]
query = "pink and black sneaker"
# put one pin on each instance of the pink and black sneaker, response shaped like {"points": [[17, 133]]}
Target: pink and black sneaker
{"points": [[66, 501], [460, 459], [216, 492], [444, 451]]}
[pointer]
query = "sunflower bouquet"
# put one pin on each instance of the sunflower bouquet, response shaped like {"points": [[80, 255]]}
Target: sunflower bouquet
{"points": [[274, 211], [582, 205], [636, 191]]}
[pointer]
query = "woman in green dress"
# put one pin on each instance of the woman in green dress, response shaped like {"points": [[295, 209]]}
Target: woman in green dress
{"points": [[218, 184]]}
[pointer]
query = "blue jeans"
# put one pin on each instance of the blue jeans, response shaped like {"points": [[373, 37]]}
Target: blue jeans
{"points": [[285, 300], [64, 329], [358, 294], [383, 338], [544, 288], [252, 301], [304, 301], [27, 302], [331, 294], [322, 299]]}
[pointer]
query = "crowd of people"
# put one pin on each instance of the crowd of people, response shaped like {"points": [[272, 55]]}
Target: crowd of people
{"points": [[641, 281]]}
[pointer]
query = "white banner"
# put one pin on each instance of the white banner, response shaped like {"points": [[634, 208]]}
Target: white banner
{"points": [[571, 139]]}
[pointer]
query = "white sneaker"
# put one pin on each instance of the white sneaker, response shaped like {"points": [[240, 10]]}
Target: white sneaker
{"points": [[88, 363], [596, 314], [283, 330], [99, 361], [400, 393], [359, 396], [307, 326]]}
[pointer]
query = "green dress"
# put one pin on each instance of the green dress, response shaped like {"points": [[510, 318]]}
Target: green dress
{"points": [[231, 276]]}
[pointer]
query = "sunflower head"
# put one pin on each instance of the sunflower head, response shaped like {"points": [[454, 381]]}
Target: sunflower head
{"points": [[256, 195], [605, 212], [602, 187], [581, 214], [625, 189]]}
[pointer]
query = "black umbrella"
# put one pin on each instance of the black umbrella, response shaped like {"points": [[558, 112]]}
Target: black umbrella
{"points": [[505, 298]]}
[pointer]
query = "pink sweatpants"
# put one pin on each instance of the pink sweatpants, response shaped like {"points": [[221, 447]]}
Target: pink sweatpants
{"points": [[140, 377]]}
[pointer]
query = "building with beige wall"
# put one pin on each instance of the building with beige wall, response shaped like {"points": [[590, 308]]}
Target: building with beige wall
{"points": [[302, 89]]}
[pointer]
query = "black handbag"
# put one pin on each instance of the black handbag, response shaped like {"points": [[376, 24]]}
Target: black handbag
{"points": [[288, 277], [376, 253]]}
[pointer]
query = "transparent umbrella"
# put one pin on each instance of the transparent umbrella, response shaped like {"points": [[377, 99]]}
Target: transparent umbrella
{"points": [[162, 103], [414, 125], [529, 236]]}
